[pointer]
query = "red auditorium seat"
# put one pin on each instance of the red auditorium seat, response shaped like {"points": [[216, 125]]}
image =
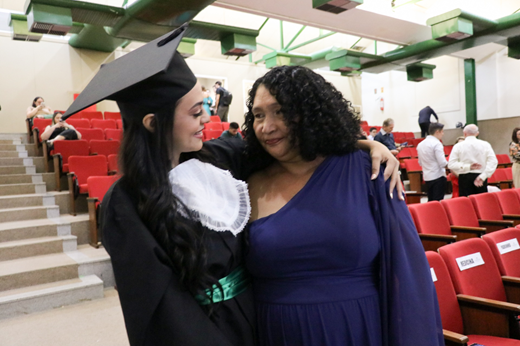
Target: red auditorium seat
{"points": [[114, 134], [365, 128], [505, 247], [461, 212], [112, 164], [91, 115], [499, 179], [112, 115], [509, 173], [414, 172], [119, 124], [97, 188], [363, 122], [104, 147], [409, 135], [103, 124], [80, 168], [215, 118], [90, 134], [62, 151], [466, 313], [509, 202], [225, 126], [38, 128], [474, 272], [213, 126], [504, 161], [434, 227], [448, 149], [488, 208], [79, 123], [211, 134]]}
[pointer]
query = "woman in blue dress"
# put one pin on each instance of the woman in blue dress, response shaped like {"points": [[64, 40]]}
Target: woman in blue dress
{"points": [[336, 261]]}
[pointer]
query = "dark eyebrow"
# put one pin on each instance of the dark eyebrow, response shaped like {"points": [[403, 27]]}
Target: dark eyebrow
{"points": [[197, 104], [274, 104]]}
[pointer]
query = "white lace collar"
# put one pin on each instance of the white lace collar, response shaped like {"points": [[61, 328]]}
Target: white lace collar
{"points": [[219, 201]]}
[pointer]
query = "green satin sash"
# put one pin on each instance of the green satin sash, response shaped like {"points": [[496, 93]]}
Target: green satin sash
{"points": [[232, 285]]}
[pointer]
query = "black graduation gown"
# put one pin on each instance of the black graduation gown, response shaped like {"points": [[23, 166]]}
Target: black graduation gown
{"points": [[156, 307]]}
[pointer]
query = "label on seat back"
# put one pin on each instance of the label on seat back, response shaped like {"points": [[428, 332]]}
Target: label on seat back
{"points": [[508, 246], [470, 261], [434, 277]]}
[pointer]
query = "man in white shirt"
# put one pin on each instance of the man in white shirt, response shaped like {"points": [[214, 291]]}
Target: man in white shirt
{"points": [[474, 160], [372, 134], [433, 162]]}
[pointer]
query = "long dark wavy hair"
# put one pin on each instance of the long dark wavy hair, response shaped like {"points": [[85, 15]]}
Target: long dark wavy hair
{"points": [[36, 99], [145, 161], [320, 120]]}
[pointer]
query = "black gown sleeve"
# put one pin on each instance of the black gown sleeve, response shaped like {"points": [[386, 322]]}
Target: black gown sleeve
{"points": [[228, 153], [156, 308]]}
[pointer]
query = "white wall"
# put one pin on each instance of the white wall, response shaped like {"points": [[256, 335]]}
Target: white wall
{"points": [[403, 99]]}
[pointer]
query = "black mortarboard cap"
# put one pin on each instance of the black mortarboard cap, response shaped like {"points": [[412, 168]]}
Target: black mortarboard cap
{"points": [[142, 81]]}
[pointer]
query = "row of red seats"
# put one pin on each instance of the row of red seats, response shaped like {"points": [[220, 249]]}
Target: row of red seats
{"points": [[444, 222], [63, 150], [478, 288], [95, 115], [217, 126]]}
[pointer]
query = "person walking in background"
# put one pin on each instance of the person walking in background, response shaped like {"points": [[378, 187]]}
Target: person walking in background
{"points": [[514, 152], [424, 119], [232, 132], [208, 101], [222, 101], [433, 162], [474, 161]]}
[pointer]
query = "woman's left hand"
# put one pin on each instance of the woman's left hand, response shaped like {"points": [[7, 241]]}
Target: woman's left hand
{"points": [[380, 154]]}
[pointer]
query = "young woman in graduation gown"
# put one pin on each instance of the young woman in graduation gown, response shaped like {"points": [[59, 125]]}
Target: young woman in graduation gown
{"points": [[173, 224]]}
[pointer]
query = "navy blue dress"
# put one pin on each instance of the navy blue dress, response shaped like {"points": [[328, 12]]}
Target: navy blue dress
{"points": [[324, 273]]}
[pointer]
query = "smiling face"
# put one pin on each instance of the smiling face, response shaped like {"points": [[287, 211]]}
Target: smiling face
{"points": [[188, 122], [270, 127]]}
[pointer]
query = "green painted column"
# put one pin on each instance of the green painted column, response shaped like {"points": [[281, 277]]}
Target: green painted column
{"points": [[471, 91]]}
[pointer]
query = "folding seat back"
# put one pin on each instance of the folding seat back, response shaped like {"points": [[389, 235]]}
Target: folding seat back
{"points": [[405, 153], [509, 201], [448, 304], [112, 115], [211, 134], [119, 124], [504, 245], [487, 207], [409, 135], [364, 122], [495, 177], [473, 269], [412, 165], [90, 134], [91, 115], [99, 185], [70, 148], [448, 149], [87, 166], [503, 158], [509, 173], [214, 118], [413, 152], [213, 126], [112, 163], [103, 124], [41, 124], [430, 218], [225, 126], [460, 212], [114, 134], [79, 123], [104, 147]]}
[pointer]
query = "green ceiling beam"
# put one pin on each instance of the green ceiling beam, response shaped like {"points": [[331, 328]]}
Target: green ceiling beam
{"points": [[266, 46], [294, 38], [281, 59], [263, 24], [335, 6], [513, 47], [342, 61], [238, 45], [95, 38], [452, 29], [20, 29], [46, 19], [311, 41], [471, 91], [187, 47]]}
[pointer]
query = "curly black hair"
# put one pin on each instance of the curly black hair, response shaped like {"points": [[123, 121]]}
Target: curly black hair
{"points": [[321, 121]]}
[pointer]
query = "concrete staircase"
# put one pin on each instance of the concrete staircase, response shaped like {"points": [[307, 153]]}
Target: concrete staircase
{"points": [[45, 259]]}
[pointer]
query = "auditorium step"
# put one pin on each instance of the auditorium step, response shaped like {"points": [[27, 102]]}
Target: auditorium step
{"points": [[7, 170], [18, 189], [36, 246], [19, 154], [49, 296], [23, 178], [29, 213], [16, 161]]}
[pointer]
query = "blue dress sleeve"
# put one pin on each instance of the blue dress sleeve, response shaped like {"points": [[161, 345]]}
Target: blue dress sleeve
{"points": [[408, 298]]}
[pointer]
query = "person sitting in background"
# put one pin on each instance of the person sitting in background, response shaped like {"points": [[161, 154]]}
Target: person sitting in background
{"points": [[386, 137], [232, 132], [372, 133], [433, 162], [514, 152], [207, 102], [59, 130], [38, 109]]}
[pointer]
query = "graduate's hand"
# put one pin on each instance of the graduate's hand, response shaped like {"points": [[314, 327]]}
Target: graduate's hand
{"points": [[380, 154]]}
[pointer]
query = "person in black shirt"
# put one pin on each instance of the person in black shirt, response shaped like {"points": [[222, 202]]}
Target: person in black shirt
{"points": [[424, 119], [222, 101]]}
